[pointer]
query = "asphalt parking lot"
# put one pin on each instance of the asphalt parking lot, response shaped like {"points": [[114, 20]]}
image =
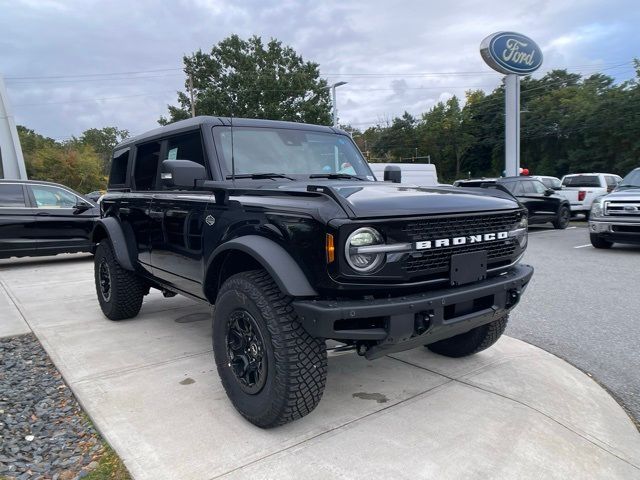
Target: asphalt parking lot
{"points": [[582, 306]]}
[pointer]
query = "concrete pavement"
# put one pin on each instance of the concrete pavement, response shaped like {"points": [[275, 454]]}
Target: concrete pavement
{"points": [[150, 386]]}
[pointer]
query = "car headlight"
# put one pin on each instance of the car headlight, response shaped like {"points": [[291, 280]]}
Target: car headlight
{"points": [[356, 252], [596, 208]]}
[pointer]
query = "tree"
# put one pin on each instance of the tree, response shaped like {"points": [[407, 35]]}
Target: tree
{"points": [[74, 164], [245, 78], [103, 140]]}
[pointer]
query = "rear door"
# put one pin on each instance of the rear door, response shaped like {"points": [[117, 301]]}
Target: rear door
{"points": [[178, 220], [60, 226], [17, 222]]}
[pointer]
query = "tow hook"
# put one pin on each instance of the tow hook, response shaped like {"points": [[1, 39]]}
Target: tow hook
{"points": [[512, 297], [422, 322], [361, 348]]}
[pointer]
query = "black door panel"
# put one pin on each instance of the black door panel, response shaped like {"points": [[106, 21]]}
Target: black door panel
{"points": [[177, 223]]}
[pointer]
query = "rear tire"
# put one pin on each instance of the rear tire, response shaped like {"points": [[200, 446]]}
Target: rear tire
{"points": [[598, 242], [120, 292], [563, 218], [273, 371], [473, 341]]}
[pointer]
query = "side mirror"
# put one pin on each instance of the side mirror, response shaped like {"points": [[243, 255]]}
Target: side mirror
{"points": [[82, 206], [181, 173], [392, 173], [549, 191]]}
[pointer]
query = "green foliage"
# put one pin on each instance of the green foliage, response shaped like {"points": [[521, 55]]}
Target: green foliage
{"points": [[103, 140], [246, 78], [74, 164], [569, 124]]}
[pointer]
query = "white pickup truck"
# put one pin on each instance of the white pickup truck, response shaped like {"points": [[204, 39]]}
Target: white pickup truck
{"points": [[581, 189]]}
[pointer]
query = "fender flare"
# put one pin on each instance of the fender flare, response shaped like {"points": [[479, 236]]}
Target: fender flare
{"points": [[112, 228], [276, 261]]}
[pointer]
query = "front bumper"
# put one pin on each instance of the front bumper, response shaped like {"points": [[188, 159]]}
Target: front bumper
{"points": [[401, 323], [617, 231]]}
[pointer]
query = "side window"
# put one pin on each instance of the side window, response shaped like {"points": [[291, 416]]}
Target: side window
{"points": [[12, 196], [119, 166], [52, 197], [527, 187], [186, 147], [539, 187], [146, 166], [611, 181]]}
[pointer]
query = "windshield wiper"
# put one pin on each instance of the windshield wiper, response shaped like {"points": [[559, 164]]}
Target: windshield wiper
{"points": [[333, 176], [258, 176]]}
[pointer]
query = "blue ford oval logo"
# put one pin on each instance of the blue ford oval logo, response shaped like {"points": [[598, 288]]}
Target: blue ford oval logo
{"points": [[510, 52]]}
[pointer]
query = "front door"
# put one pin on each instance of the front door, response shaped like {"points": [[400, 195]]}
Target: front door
{"points": [[178, 221], [60, 227]]}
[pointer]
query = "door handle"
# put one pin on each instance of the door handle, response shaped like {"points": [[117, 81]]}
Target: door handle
{"points": [[43, 214]]}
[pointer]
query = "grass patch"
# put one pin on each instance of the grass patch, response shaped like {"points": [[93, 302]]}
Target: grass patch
{"points": [[110, 467]]}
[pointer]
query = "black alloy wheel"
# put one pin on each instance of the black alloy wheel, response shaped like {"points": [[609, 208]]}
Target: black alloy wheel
{"points": [[104, 275], [246, 352]]}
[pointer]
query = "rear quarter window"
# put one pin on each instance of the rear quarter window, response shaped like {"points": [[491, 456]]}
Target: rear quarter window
{"points": [[119, 167], [12, 195]]}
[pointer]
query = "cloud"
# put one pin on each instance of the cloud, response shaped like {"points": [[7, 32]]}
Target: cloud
{"points": [[404, 44]]}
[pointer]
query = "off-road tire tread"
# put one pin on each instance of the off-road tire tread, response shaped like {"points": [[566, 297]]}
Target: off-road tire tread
{"points": [[301, 360], [128, 289], [474, 341]]}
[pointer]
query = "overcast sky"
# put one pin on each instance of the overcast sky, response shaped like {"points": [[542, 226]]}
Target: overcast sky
{"points": [[392, 54]]}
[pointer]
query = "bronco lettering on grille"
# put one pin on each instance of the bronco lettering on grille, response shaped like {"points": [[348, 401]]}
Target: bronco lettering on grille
{"points": [[447, 242]]}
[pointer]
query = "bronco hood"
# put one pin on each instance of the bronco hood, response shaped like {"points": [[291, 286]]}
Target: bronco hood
{"points": [[383, 199]]}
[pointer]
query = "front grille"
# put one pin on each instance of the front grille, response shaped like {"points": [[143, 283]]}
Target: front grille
{"points": [[447, 227], [622, 209], [437, 260]]}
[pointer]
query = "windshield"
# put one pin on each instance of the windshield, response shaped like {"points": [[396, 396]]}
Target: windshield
{"points": [[632, 179], [581, 181], [292, 152]]}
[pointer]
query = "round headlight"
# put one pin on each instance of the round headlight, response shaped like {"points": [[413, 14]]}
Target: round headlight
{"points": [[357, 257]]}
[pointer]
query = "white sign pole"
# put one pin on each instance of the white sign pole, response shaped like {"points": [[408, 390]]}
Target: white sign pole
{"points": [[512, 125], [11, 160]]}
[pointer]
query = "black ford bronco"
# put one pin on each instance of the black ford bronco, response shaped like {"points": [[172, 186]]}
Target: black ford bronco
{"points": [[284, 229]]}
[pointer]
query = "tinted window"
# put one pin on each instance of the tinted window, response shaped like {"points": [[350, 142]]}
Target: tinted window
{"points": [[539, 187], [511, 186], [551, 182], [581, 181], [53, 197], [11, 196], [146, 166], [186, 147], [527, 187], [119, 164]]}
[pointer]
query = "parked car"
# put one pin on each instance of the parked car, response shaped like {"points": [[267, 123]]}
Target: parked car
{"points": [[615, 218], [582, 188], [42, 218], [421, 174], [550, 182], [282, 226], [543, 204]]}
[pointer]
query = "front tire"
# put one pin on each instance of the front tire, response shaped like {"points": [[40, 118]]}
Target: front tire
{"points": [[273, 371], [120, 292], [598, 242], [563, 218], [473, 341]]}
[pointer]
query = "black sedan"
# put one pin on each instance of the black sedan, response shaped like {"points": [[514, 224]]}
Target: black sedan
{"points": [[544, 204], [42, 218]]}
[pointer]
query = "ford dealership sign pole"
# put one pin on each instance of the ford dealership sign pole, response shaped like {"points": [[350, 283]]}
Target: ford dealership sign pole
{"points": [[514, 55]]}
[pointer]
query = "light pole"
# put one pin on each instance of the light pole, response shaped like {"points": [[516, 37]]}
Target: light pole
{"points": [[333, 100]]}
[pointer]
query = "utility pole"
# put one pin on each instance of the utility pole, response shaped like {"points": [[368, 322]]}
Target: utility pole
{"points": [[193, 105], [333, 100]]}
